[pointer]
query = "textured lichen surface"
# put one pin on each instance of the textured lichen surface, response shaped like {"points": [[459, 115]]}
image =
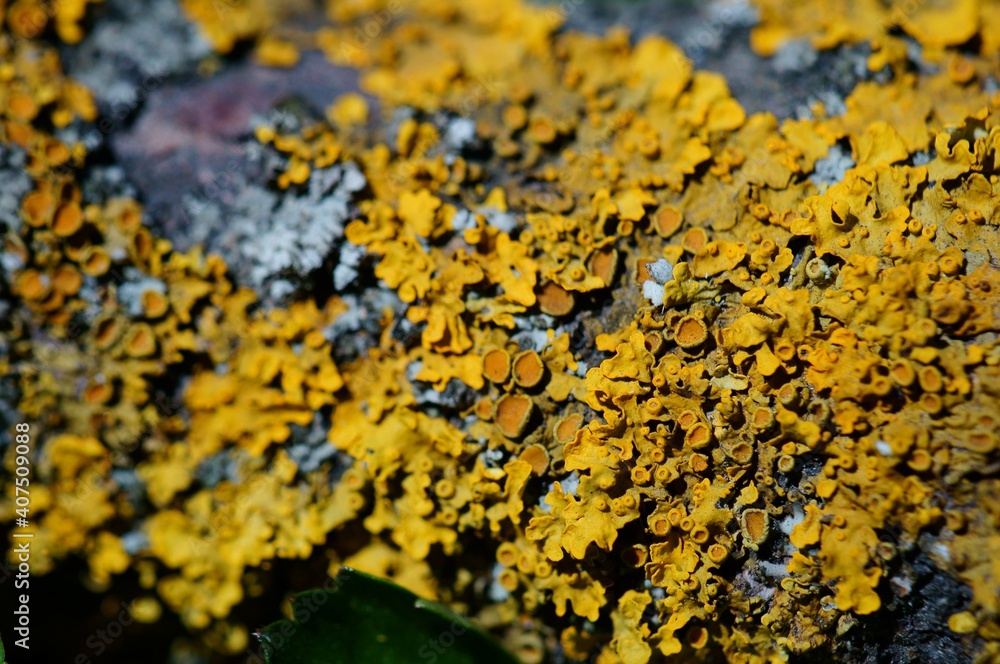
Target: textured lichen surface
{"points": [[538, 323]]}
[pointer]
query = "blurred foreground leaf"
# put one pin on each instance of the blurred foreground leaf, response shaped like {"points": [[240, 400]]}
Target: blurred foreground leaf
{"points": [[367, 619]]}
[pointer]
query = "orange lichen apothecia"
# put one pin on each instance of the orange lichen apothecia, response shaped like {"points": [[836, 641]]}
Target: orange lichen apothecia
{"points": [[688, 398]]}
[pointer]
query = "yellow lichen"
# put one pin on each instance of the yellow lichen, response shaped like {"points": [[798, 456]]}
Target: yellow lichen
{"points": [[821, 351]]}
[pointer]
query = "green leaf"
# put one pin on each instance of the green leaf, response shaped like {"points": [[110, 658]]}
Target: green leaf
{"points": [[362, 618]]}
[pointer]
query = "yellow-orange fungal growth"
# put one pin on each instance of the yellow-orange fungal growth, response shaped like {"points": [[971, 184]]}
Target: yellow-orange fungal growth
{"points": [[67, 280], [717, 553], [507, 554], [697, 637], [786, 463], [555, 300], [566, 428], [37, 207], [542, 130], [755, 525], [962, 623], [667, 220], [824, 354], [762, 418], [698, 436], [95, 261], [140, 340], [68, 220], [741, 453], [512, 413], [537, 457], [154, 304], [106, 332], [496, 365], [32, 285], [603, 264], [98, 393], [690, 332], [528, 369]]}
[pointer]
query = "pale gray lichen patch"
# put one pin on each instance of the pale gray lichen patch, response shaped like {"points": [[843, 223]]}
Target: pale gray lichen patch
{"points": [[794, 56], [273, 242], [831, 169], [130, 292], [14, 184], [661, 272], [131, 50]]}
